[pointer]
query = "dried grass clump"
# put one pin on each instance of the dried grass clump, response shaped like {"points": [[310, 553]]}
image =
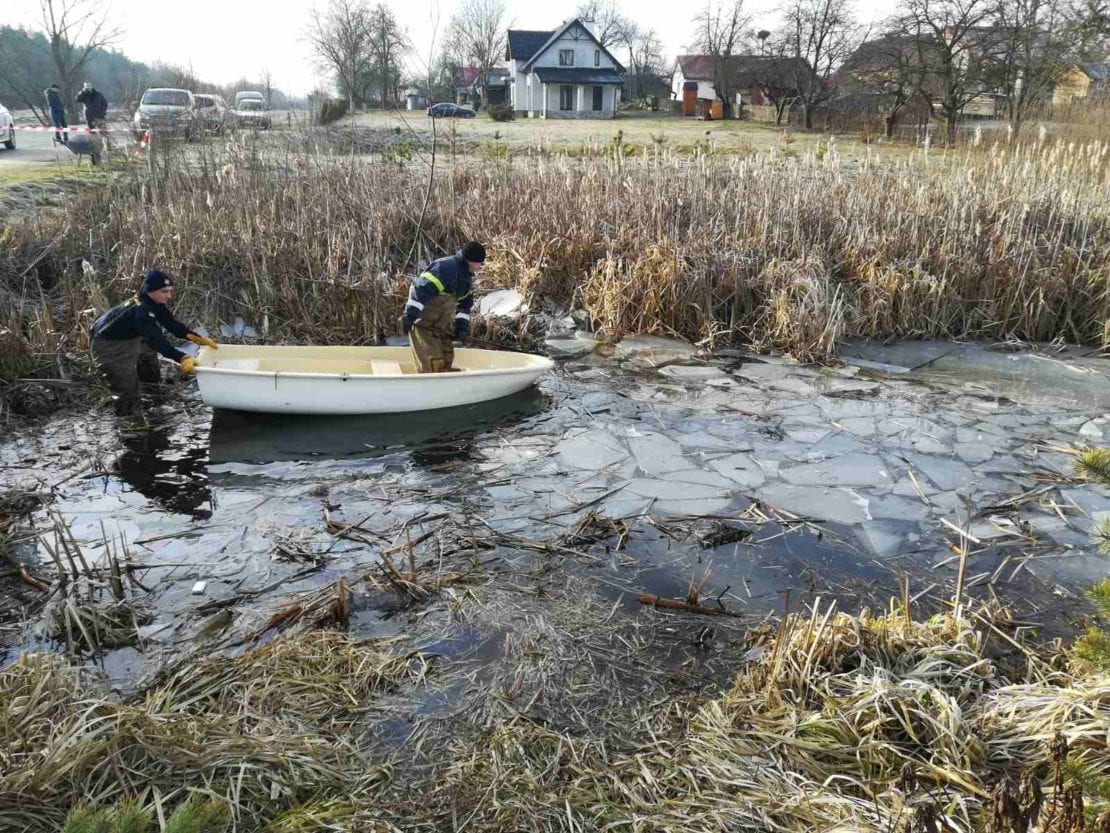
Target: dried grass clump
{"points": [[321, 677], [803, 312], [259, 732], [642, 292], [842, 723]]}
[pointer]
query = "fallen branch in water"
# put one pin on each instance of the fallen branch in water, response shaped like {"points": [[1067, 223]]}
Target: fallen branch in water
{"points": [[675, 604]]}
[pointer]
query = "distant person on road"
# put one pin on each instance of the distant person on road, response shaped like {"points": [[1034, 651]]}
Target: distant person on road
{"points": [[96, 106], [127, 338], [57, 110], [438, 308]]}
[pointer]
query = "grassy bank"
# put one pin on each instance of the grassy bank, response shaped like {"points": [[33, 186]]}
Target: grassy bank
{"points": [[836, 722], [781, 249]]}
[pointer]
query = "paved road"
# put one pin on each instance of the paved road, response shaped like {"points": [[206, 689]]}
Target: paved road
{"points": [[36, 148]]}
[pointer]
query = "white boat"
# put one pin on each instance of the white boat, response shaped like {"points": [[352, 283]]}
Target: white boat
{"points": [[355, 380]]}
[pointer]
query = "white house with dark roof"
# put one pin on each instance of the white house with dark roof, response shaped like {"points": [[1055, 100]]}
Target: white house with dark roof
{"points": [[562, 74]]}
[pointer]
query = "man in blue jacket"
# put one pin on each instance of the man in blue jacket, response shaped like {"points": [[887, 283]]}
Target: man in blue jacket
{"points": [[439, 305], [127, 337], [57, 110]]}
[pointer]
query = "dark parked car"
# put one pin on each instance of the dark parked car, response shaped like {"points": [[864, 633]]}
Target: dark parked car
{"points": [[447, 110]]}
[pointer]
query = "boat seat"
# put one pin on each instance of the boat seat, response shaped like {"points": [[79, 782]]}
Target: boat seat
{"points": [[384, 367]]}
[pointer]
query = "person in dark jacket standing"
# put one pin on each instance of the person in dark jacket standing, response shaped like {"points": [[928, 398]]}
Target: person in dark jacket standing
{"points": [[439, 305], [57, 110], [126, 339], [95, 104]]}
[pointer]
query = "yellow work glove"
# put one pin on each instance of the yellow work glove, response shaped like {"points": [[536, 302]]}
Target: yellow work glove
{"points": [[203, 341], [188, 365]]}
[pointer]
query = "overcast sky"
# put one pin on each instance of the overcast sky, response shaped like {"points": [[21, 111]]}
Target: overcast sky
{"points": [[223, 40]]}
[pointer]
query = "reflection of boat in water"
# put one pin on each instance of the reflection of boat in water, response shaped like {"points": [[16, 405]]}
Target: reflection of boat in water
{"points": [[431, 436]]}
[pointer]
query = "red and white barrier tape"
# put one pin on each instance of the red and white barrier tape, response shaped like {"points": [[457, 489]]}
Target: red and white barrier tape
{"points": [[142, 144], [46, 129]]}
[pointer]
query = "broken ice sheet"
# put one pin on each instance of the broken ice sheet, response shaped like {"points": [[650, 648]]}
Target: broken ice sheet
{"points": [[238, 329], [838, 505], [567, 347], [742, 469], [885, 537], [653, 350], [591, 451], [846, 470], [657, 454], [692, 373], [947, 474]]}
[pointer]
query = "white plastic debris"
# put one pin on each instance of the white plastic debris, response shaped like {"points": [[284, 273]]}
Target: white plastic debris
{"points": [[504, 303], [199, 588]]}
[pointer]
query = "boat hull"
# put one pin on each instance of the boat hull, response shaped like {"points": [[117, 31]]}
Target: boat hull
{"points": [[355, 380]]}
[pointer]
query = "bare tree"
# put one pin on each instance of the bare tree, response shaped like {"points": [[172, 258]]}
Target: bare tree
{"points": [[1037, 39], [776, 78], [74, 31], [611, 26], [477, 33], [267, 79], [819, 35], [340, 40], [720, 34], [387, 46], [957, 45], [886, 68], [1092, 28], [645, 57]]}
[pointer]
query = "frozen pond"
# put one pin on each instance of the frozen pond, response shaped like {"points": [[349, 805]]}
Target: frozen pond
{"points": [[761, 482]]}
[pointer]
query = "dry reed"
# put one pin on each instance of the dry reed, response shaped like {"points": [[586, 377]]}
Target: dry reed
{"points": [[788, 253]]}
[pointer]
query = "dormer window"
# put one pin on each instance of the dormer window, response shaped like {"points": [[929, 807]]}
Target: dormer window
{"points": [[566, 57]]}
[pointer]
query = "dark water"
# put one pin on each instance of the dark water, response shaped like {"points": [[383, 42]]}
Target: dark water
{"points": [[169, 465], [432, 437]]}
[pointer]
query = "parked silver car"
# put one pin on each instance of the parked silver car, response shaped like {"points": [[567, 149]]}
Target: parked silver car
{"points": [[212, 111], [252, 114], [167, 111], [7, 128]]}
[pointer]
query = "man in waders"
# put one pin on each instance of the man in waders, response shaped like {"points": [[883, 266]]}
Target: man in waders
{"points": [[126, 338], [438, 308]]}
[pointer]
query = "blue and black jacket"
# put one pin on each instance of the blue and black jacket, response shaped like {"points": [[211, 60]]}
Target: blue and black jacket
{"points": [[57, 108], [446, 276], [140, 317]]}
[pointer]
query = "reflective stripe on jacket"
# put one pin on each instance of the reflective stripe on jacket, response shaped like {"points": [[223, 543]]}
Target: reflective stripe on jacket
{"points": [[446, 276]]}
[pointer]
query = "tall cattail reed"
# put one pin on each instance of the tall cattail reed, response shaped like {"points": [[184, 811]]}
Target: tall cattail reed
{"points": [[785, 252]]}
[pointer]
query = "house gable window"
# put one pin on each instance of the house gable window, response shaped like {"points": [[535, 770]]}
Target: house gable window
{"points": [[597, 57], [566, 57], [566, 97]]}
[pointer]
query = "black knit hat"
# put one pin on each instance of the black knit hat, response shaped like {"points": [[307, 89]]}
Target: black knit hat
{"points": [[474, 251], [156, 279]]}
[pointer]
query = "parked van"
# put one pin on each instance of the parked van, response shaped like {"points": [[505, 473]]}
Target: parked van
{"points": [[249, 95]]}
